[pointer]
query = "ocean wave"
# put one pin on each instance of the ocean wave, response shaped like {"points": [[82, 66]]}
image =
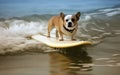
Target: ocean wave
{"points": [[108, 12], [113, 13], [16, 37]]}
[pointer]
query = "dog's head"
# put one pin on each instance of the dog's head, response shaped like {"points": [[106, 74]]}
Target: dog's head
{"points": [[70, 21]]}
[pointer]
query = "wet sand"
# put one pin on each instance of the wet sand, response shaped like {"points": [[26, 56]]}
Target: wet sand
{"points": [[100, 59], [55, 64], [35, 64]]}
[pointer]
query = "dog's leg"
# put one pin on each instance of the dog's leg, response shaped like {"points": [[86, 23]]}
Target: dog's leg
{"points": [[57, 36], [61, 36], [72, 38], [48, 34], [50, 27]]}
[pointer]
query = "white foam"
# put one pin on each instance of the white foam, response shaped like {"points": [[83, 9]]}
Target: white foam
{"points": [[110, 11], [107, 10], [113, 13], [118, 8], [87, 17], [15, 38]]}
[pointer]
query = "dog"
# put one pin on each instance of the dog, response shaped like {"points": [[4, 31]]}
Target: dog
{"points": [[64, 24]]}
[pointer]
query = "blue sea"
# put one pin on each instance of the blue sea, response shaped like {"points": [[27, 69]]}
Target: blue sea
{"points": [[21, 55], [15, 8]]}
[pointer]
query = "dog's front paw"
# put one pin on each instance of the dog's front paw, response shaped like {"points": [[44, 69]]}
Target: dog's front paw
{"points": [[73, 39], [48, 36], [61, 39]]}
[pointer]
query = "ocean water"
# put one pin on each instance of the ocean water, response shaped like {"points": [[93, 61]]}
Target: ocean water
{"points": [[99, 23], [16, 8]]}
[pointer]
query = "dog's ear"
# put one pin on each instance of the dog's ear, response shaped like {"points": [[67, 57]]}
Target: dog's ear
{"points": [[62, 15], [78, 15]]}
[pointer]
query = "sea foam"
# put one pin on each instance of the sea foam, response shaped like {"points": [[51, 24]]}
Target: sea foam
{"points": [[16, 37]]}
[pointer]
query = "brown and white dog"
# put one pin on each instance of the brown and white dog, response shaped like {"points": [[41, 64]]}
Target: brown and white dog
{"points": [[64, 24]]}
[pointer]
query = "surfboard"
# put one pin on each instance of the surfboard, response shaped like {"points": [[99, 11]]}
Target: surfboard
{"points": [[55, 43]]}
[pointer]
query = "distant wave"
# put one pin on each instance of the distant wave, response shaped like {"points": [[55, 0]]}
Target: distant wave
{"points": [[107, 11]]}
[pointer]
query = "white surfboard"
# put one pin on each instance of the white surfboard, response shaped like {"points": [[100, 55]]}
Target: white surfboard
{"points": [[55, 43]]}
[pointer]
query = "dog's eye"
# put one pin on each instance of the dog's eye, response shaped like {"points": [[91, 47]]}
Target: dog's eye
{"points": [[66, 20], [73, 19]]}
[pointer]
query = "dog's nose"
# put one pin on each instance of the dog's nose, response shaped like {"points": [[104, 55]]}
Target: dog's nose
{"points": [[69, 24]]}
